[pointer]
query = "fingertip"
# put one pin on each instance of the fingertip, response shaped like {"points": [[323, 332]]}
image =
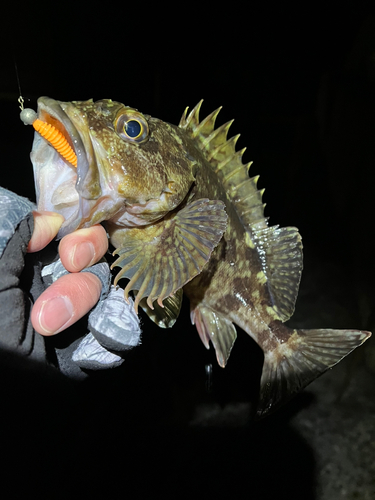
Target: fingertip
{"points": [[53, 315], [46, 226], [83, 248], [66, 301]]}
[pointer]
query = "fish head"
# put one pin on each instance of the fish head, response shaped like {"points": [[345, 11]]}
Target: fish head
{"points": [[131, 169]]}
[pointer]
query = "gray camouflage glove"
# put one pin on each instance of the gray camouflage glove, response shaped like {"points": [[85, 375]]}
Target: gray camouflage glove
{"points": [[113, 324]]}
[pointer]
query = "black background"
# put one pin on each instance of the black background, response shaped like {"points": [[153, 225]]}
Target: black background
{"points": [[300, 83]]}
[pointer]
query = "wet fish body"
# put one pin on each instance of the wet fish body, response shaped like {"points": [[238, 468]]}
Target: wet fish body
{"points": [[183, 214]]}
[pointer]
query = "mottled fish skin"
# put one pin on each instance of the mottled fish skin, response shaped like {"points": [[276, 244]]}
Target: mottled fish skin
{"points": [[233, 282], [182, 212]]}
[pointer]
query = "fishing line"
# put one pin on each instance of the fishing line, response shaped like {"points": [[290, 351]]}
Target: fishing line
{"points": [[21, 100], [49, 132]]}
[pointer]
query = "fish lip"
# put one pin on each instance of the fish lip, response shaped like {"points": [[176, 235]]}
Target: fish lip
{"points": [[48, 106]]}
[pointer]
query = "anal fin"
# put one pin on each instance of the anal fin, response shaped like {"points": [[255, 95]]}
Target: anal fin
{"points": [[216, 328], [300, 360]]}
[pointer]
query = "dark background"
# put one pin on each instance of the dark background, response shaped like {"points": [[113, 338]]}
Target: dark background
{"points": [[300, 83]]}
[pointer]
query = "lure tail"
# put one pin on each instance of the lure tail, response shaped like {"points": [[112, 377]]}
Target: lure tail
{"points": [[56, 138], [50, 133], [304, 357]]}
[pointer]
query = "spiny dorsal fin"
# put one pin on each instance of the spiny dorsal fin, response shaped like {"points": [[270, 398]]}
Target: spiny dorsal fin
{"points": [[227, 163], [280, 249]]}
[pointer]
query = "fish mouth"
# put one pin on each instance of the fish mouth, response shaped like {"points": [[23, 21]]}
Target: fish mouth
{"points": [[51, 112], [61, 187]]}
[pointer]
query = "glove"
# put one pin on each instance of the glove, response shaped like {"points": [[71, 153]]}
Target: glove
{"points": [[113, 323]]}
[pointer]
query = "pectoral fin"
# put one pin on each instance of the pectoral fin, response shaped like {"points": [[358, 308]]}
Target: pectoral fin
{"points": [[159, 259]]}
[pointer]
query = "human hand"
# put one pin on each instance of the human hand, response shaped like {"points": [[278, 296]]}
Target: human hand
{"points": [[71, 296]]}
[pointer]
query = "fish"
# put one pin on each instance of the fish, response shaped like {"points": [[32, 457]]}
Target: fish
{"points": [[185, 217]]}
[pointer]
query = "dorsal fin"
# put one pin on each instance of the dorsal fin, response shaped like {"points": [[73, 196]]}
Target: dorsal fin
{"points": [[280, 249], [227, 163]]}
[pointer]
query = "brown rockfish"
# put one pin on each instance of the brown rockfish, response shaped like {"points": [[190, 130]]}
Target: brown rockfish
{"points": [[183, 214]]}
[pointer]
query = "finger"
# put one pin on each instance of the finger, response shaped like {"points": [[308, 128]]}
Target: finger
{"points": [[65, 302], [83, 248], [46, 226]]}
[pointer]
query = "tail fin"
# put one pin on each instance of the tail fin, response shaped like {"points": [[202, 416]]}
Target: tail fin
{"points": [[304, 357]]}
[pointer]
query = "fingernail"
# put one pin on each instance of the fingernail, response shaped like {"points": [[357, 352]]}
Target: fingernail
{"points": [[82, 255], [55, 313]]}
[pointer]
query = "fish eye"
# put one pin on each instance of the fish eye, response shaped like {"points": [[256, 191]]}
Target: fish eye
{"points": [[132, 126]]}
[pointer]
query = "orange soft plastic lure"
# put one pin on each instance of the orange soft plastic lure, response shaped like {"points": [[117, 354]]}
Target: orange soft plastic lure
{"points": [[51, 134]]}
